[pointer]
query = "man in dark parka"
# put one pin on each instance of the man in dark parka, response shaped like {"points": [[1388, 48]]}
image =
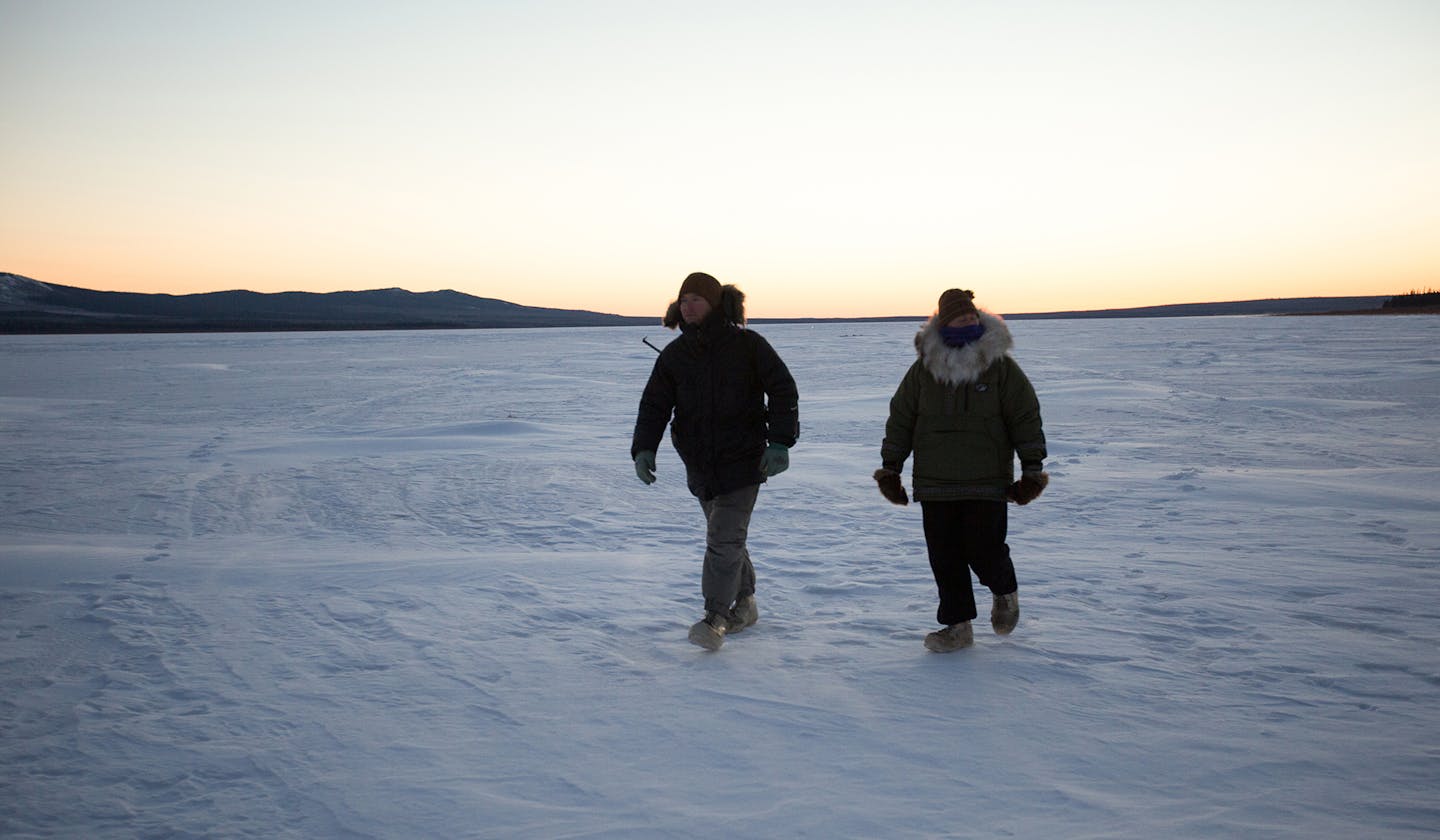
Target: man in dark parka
{"points": [[733, 412]]}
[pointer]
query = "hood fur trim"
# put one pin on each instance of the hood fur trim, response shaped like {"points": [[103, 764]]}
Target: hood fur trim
{"points": [[732, 308], [961, 365]]}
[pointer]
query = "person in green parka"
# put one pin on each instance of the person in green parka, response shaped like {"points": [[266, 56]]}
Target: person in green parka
{"points": [[965, 410]]}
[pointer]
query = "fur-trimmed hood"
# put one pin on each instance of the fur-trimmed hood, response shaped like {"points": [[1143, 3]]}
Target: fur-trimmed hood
{"points": [[960, 365], [732, 308]]}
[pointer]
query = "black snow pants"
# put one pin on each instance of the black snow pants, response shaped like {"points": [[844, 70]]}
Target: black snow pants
{"points": [[961, 537]]}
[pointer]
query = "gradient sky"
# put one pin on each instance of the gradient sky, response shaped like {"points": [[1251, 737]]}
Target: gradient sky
{"points": [[831, 159]]}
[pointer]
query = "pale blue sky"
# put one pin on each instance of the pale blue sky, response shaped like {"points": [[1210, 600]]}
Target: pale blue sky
{"points": [[830, 158]]}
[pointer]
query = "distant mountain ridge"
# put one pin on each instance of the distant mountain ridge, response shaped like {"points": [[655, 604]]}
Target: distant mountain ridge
{"points": [[30, 306]]}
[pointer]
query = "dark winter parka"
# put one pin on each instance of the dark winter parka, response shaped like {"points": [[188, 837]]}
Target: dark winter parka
{"points": [[966, 413], [715, 380]]}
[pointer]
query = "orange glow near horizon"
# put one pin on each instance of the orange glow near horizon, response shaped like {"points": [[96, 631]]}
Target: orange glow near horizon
{"points": [[771, 297]]}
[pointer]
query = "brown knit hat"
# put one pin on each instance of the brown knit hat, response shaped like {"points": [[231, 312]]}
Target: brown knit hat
{"points": [[953, 304], [703, 285]]}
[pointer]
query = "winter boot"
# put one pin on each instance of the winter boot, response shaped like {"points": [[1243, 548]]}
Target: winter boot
{"points": [[743, 614], [1005, 613], [709, 632], [954, 637]]}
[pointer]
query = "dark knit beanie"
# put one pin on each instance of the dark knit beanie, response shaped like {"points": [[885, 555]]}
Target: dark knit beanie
{"points": [[954, 303], [703, 285]]}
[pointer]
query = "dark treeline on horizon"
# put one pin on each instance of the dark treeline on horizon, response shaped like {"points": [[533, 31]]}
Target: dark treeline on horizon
{"points": [[1413, 300]]}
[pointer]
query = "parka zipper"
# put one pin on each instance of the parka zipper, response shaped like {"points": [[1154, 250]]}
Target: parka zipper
{"points": [[959, 399]]}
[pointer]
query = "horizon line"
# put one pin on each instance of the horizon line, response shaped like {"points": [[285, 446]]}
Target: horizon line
{"points": [[770, 318]]}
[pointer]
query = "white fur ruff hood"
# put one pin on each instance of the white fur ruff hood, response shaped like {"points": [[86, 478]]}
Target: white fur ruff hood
{"points": [[961, 365]]}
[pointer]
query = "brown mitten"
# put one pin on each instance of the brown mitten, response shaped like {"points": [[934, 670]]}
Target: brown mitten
{"points": [[890, 486], [1030, 486]]}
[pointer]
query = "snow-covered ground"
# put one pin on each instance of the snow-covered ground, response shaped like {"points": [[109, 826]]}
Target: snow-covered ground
{"points": [[406, 585]]}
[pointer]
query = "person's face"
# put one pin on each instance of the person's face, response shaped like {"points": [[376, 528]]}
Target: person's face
{"points": [[969, 319], [693, 308]]}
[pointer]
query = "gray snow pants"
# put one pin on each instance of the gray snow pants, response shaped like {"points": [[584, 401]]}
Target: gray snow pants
{"points": [[728, 573]]}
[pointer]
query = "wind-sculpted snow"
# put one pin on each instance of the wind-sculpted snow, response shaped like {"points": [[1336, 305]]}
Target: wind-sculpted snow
{"points": [[406, 585]]}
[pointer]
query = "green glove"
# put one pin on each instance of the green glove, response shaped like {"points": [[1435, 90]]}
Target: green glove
{"points": [[645, 466], [775, 460]]}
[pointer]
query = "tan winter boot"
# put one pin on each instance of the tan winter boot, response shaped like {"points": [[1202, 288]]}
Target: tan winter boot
{"points": [[954, 637], [709, 632], [743, 614], [1005, 613]]}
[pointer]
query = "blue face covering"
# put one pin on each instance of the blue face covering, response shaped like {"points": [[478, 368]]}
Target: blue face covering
{"points": [[961, 336]]}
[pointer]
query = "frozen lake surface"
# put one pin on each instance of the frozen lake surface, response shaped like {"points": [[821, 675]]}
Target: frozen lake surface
{"points": [[406, 585]]}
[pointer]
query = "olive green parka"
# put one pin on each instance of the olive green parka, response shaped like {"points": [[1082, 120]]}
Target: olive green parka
{"points": [[965, 413]]}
